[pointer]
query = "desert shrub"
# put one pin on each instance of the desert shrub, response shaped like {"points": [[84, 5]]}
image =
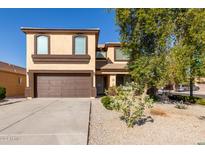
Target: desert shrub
{"points": [[155, 98], [107, 102], [131, 105], [2, 93], [201, 101], [112, 91], [190, 99], [180, 105]]}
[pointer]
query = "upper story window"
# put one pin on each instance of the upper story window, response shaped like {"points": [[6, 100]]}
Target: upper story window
{"points": [[42, 44], [120, 55], [101, 54], [80, 45]]}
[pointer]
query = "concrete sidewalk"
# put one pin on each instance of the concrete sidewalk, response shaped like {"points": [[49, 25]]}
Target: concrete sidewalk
{"points": [[8, 101], [45, 121]]}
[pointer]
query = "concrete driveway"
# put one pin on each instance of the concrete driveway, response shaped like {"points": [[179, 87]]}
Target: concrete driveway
{"points": [[45, 121]]}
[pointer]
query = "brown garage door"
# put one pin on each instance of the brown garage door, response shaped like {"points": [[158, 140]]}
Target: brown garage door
{"points": [[63, 85]]}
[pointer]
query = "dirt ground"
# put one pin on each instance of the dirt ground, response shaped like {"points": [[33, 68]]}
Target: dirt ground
{"points": [[171, 126]]}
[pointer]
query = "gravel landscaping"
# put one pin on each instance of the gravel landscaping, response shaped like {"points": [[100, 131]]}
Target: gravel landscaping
{"points": [[169, 126]]}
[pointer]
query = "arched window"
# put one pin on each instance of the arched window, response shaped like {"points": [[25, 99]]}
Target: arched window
{"points": [[80, 45], [42, 44]]}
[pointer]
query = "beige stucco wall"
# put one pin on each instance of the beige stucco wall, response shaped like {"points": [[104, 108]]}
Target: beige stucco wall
{"points": [[11, 83], [111, 55], [112, 80], [60, 44], [108, 72]]}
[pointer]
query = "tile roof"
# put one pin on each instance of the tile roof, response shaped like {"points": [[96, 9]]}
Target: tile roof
{"points": [[12, 68], [103, 65], [114, 66]]}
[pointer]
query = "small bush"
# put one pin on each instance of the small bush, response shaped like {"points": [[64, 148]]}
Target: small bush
{"points": [[201, 101], [181, 106], [2, 93], [112, 91], [127, 101], [190, 99], [107, 102]]}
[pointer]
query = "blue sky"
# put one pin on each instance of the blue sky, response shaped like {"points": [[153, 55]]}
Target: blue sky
{"points": [[12, 39]]}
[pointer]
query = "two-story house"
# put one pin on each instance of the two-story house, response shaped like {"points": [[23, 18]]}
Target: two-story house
{"points": [[70, 63]]}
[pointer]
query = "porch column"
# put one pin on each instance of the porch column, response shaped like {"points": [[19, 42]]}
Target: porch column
{"points": [[112, 80]]}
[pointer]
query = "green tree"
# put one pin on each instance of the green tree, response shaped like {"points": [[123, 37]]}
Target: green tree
{"points": [[176, 66], [164, 45], [144, 36], [190, 34]]}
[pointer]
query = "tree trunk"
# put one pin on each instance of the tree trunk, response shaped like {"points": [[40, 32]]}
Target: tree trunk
{"points": [[152, 91], [175, 86], [191, 87], [144, 94]]}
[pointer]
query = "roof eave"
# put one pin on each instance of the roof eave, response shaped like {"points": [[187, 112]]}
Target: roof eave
{"points": [[112, 44], [59, 30]]}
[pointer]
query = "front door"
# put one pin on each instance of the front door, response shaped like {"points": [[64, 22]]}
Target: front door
{"points": [[101, 83]]}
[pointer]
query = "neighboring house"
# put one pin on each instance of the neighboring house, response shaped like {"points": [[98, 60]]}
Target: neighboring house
{"points": [[13, 78], [70, 63]]}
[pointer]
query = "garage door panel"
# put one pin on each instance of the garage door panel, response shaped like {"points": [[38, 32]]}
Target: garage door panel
{"points": [[65, 93], [63, 85], [74, 87]]}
